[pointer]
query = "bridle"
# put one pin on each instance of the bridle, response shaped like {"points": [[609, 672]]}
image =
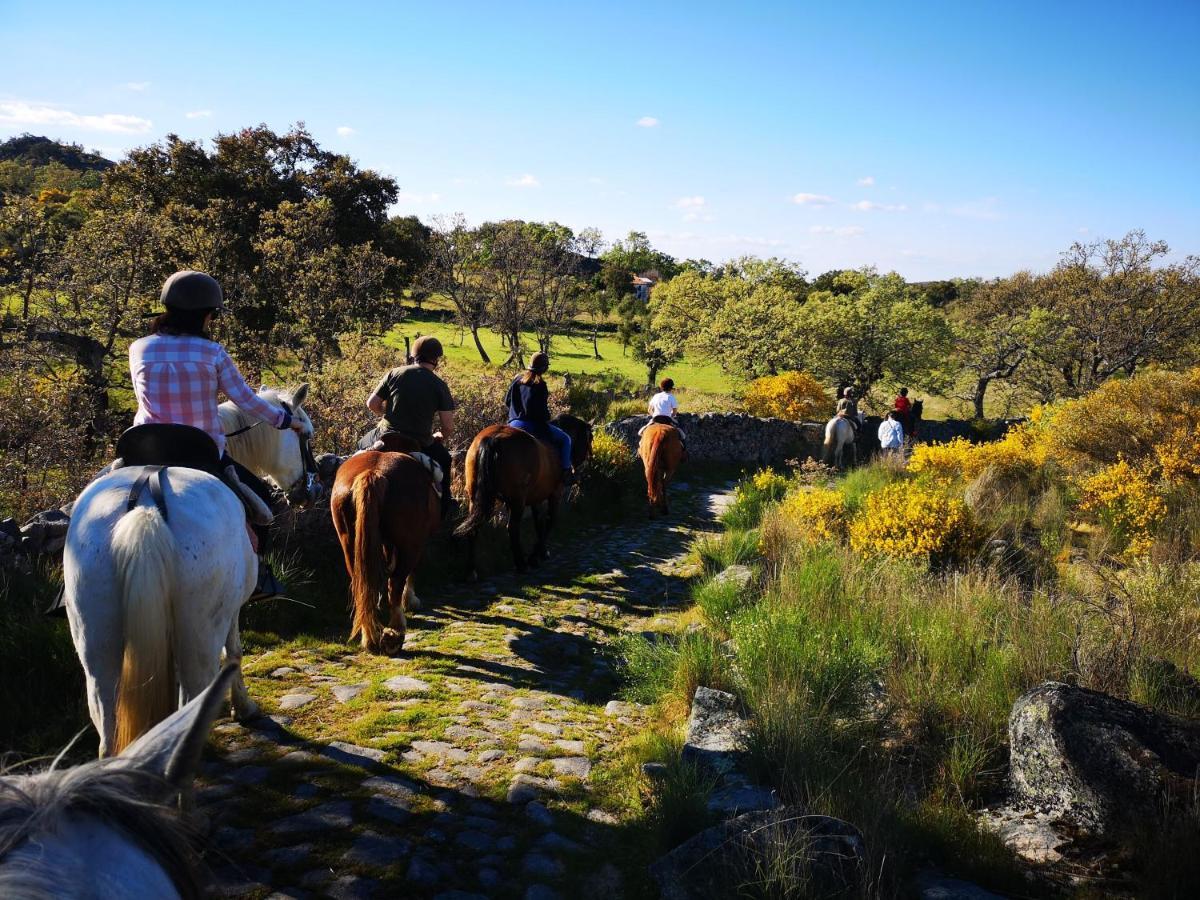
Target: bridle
{"points": [[308, 486]]}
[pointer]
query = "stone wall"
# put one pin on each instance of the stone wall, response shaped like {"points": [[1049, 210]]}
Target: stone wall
{"points": [[740, 438]]}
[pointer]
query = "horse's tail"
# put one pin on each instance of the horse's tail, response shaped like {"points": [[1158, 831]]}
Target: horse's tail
{"points": [[368, 492], [480, 481], [830, 431], [145, 552], [656, 467]]}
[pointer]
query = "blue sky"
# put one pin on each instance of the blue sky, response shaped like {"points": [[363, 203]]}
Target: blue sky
{"points": [[936, 139]]}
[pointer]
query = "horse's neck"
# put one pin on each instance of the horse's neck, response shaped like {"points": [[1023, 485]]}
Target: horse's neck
{"points": [[84, 857], [256, 448]]}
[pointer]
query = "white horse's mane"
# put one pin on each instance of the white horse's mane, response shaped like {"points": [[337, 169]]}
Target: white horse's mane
{"points": [[257, 446], [110, 790]]}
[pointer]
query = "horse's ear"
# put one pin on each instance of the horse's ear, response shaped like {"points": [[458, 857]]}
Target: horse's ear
{"points": [[172, 748], [299, 394]]}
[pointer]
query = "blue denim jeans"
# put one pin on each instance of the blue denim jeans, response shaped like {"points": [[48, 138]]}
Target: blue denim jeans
{"points": [[547, 432]]}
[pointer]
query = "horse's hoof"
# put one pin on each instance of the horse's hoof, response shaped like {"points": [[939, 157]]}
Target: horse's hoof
{"points": [[392, 642], [248, 712]]}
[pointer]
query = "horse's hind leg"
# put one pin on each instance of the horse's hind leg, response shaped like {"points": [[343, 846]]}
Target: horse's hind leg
{"points": [[516, 514], [540, 527], [391, 642], [243, 707]]}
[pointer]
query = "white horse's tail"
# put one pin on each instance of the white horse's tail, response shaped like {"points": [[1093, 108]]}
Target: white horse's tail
{"points": [[145, 554], [830, 431]]}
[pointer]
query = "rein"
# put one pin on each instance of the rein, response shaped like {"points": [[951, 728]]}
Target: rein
{"points": [[309, 477]]}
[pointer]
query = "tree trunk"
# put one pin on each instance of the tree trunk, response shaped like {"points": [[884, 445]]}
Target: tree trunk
{"points": [[26, 298], [595, 344], [479, 345], [981, 386]]}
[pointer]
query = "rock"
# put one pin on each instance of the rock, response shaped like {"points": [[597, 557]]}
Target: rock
{"points": [[552, 842], [475, 841], [571, 748], [821, 856], [572, 766], [352, 887], [933, 886], [440, 749], [338, 814], [344, 693], [288, 857], [351, 754], [735, 437], [527, 764], [376, 851], [539, 865], [524, 788], [1096, 760], [423, 872], [600, 817], [736, 795], [532, 745], [488, 756], [738, 575], [393, 785], [716, 733], [1031, 835], [250, 775], [282, 672], [390, 809], [529, 703], [489, 878], [403, 684], [538, 814], [655, 771], [295, 701], [619, 708]]}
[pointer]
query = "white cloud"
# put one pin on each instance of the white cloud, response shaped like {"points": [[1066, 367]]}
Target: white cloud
{"points": [[199, 114], [838, 230], [17, 112], [690, 202], [647, 122], [812, 199], [693, 209], [525, 181], [416, 198], [136, 86], [867, 181], [345, 130], [869, 205]]}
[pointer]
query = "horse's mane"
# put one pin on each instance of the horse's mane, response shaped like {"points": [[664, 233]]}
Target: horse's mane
{"points": [[31, 805], [255, 446]]}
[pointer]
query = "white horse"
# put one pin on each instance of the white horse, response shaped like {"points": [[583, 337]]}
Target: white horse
{"points": [[838, 434], [269, 453], [110, 828], [152, 601]]}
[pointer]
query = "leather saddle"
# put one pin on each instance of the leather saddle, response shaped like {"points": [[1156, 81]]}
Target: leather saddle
{"points": [[169, 445]]}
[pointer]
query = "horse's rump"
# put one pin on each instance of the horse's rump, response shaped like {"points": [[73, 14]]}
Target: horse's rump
{"points": [[661, 450]]}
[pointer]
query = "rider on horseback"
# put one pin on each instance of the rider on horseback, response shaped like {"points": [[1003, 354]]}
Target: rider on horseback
{"points": [[406, 398], [663, 408], [528, 402], [177, 370], [847, 408]]}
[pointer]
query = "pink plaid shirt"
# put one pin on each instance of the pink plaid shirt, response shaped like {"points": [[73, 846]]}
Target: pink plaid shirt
{"points": [[176, 379]]}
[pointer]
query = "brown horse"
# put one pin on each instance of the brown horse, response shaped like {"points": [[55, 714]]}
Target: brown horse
{"points": [[661, 450], [508, 464], [385, 508]]}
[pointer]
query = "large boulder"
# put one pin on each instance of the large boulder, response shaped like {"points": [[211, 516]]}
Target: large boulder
{"points": [[716, 731], [804, 855], [1098, 761]]}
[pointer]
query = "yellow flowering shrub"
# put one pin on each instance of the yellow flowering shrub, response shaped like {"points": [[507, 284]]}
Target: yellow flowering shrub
{"points": [[770, 483], [1023, 449], [909, 520], [795, 396], [1127, 501], [817, 515]]}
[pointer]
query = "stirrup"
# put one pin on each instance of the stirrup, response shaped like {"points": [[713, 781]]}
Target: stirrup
{"points": [[268, 586]]}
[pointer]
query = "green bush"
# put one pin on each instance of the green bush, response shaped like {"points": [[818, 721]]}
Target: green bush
{"points": [[720, 602], [623, 409]]}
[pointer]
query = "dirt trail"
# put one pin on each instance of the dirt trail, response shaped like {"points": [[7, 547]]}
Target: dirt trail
{"points": [[487, 762]]}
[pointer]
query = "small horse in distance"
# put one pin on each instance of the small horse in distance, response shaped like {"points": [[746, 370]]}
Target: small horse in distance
{"points": [[153, 583], [839, 434], [111, 828], [505, 463], [385, 507], [661, 452]]}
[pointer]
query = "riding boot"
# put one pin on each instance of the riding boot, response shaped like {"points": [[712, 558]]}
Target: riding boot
{"points": [[268, 586]]}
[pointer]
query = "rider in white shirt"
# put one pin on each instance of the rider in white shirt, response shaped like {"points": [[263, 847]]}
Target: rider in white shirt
{"points": [[663, 406], [891, 434]]}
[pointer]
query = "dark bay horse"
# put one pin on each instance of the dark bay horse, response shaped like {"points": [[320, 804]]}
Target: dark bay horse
{"points": [[661, 450], [385, 508], [508, 464]]}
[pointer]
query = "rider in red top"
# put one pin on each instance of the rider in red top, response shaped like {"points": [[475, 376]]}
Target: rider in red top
{"points": [[903, 407]]}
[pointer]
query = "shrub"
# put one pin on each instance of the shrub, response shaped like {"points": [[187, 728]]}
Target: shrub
{"points": [[612, 462], [1128, 503], [1021, 451], [623, 409], [720, 601], [908, 520], [751, 497], [820, 513], [795, 396]]}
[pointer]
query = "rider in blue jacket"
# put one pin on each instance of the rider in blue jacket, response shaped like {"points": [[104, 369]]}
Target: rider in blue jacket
{"points": [[528, 402]]}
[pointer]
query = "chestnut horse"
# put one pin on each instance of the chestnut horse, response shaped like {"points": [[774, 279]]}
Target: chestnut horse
{"points": [[508, 464], [661, 450], [385, 508]]}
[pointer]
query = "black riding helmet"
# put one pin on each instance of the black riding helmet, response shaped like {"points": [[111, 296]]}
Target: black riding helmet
{"points": [[192, 290]]}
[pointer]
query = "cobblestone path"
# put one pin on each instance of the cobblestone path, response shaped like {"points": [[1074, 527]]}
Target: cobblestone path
{"points": [[491, 760]]}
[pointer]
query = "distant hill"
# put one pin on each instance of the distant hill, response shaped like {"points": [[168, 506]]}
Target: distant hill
{"points": [[38, 151]]}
